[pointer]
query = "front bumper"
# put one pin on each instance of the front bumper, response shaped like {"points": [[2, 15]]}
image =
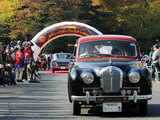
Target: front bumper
{"points": [[133, 97], [60, 68]]}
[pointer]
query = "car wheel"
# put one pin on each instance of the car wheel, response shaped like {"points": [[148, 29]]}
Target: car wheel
{"points": [[69, 92], [76, 108], [53, 70], [143, 107]]}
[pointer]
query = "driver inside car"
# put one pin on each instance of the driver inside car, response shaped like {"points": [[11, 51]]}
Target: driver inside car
{"points": [[90, 50], [116, 51]]}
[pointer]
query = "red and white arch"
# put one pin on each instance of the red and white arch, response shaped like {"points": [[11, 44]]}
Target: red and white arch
{"points": [[61, 29]]}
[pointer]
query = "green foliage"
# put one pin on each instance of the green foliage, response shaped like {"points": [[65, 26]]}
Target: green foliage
{"points": [[32, 21], [4, 36], [140, 21], [23, 19], [8, 10]]}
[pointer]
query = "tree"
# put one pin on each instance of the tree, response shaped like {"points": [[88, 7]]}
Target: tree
{"points": [[4, 36], [140, 21], [23, 19], [31, 19], [8, 10]]}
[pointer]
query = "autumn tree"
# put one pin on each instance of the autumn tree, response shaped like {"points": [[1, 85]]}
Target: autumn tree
{"points": [[140, 20], [31, 18], [8, 10], [23, 19]]}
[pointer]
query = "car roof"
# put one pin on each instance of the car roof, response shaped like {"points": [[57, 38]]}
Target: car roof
{"points": [[108, 37], [62, 53], [55, 54]]}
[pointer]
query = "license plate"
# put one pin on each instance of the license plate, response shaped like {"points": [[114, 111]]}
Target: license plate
{"points": [[62, 67], [112, 107]]}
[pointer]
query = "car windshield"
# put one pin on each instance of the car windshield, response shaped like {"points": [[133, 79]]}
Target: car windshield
{"points": [[63, 56], [102, 48]]}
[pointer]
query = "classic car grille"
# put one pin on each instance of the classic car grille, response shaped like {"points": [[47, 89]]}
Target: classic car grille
{"points": [[111, 79], [63, 64]]}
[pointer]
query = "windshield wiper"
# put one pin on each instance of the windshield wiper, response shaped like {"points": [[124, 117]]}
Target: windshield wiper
{"points": [[88, 55], [97, 55], [103, 55]]}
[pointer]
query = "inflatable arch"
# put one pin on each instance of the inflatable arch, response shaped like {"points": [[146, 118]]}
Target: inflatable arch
{"points": [[59, 30]]}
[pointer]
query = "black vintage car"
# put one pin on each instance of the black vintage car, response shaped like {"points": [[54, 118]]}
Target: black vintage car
{"points": [[107, 74]]}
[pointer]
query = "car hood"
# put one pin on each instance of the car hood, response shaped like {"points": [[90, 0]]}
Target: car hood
{"points": [[124, 65]]}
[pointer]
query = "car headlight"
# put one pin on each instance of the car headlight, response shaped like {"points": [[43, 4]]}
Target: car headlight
{"points": [[87, 77], [55, 64], [73, 74], [134, 77]]}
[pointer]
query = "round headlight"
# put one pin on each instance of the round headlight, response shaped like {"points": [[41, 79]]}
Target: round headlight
{"points": [[134, 77], [87, 77], [73, 74]]}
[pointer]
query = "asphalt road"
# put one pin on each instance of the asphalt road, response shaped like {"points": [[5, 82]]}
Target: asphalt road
{"points": [[48, 100]]}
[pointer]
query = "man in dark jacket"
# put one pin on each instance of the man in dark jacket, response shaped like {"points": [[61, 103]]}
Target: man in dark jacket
{"points": [[9, 64]]}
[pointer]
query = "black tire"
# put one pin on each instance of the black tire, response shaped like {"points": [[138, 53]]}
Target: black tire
{"points": [[69, 92], [76, 108], [53, 70], [139, 108], [143, 108]]}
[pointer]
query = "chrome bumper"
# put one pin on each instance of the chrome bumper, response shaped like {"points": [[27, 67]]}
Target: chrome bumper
{"points": [[133, 97]]}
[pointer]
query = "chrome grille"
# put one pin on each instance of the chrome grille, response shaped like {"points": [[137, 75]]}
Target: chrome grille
{"points": [[64, 64], [111, 79]]}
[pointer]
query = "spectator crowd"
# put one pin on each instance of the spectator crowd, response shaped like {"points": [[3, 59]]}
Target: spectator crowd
{"points": [[17, 63], [152, 61]]}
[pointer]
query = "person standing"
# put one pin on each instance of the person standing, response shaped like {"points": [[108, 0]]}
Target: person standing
{"points": [[2, 62], [43, 63], [8, 56], [9, 63], [156, 62], [151, 61], [49, 61], [19, 64], [28, 53]]}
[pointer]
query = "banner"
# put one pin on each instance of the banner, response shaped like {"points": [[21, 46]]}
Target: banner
{"points": [[62, 29]]}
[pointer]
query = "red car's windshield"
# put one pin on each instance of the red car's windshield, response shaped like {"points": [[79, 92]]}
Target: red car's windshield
{"points": [[62, 56], [102, 48]]}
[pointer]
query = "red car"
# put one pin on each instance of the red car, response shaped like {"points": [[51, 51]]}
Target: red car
{"points": [[60, 61]]}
